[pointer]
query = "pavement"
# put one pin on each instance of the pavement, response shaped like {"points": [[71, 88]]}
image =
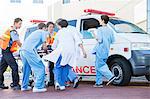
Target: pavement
{"points": [[139, 88]]}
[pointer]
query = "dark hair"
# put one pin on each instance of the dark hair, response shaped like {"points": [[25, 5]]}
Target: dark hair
{"points": [[41, 25], [49, 23], [105, 18], [16, 20], [62, 22]]}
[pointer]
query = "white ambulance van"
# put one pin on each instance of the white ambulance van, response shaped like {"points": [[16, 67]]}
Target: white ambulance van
{"points": [[129, 55]]}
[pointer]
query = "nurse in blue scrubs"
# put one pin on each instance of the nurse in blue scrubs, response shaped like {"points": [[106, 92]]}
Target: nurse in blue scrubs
{"points": [[32, 61], [104, 38]]}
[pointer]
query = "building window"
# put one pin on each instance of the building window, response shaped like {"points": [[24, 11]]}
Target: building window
{"points": [[38, 1], [66, 1], [15, 1]]}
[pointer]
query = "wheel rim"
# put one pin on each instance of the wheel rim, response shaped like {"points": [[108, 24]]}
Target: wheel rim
{"points": [[147, 77], [117, 71]]}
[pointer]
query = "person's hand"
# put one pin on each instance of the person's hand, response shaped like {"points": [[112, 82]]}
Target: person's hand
{"points": [[84, 55], [45, 48]]}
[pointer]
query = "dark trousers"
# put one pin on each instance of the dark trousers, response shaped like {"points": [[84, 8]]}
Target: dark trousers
{"points": [[51, 67], [8, 59]]}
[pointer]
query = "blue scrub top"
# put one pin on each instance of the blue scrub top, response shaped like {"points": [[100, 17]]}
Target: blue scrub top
{"points": [[34, 40], [105, 38]]}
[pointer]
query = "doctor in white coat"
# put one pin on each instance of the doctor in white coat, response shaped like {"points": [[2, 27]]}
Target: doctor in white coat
{"points": [[65, 52]]}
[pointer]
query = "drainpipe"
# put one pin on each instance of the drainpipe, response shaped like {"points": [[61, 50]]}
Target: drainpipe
{"points": [[148, 16]]}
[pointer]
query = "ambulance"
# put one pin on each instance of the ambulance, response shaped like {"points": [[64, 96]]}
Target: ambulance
{"points": [[129, 55]]}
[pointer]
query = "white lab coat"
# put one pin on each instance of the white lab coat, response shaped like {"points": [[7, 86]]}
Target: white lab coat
{"points": [[66, 44]]}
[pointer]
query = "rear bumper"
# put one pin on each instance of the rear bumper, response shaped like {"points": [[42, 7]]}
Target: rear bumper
{"points": [[140, 62]]}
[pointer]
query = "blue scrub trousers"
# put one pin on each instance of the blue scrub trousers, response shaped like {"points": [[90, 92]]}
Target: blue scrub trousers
{"points": [[61, 72], [71, 75], [102, 70], [30, 61]]}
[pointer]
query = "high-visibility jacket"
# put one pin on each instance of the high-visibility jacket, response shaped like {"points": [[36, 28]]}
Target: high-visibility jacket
{"points": [[5, 39], [50, 40]]}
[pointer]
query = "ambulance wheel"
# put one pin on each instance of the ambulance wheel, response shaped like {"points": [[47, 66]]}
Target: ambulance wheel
{"points": [[147, 77], [121, 69]]}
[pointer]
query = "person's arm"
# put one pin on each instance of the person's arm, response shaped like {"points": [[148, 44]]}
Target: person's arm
{"points": [[79, 42], [19, 43], [83, 50], [94, 35], [44, 36], [56, 41], [44, 46], [15, 38], [112, 38], [98, 37]]}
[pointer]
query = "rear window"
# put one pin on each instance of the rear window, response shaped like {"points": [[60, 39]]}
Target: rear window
{"points": [[72, 23]]}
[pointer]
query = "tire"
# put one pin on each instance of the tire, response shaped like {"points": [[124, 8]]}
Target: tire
{"points": [[122, 70], [147, 77]]}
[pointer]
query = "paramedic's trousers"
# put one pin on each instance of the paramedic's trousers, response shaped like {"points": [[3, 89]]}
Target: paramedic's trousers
{"points": [[51, 67], [71, 75], [31, 61], [8, 59], [102, 70], [61, 72]]}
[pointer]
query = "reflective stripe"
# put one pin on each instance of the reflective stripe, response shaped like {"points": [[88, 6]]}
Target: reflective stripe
{"points": [[6, 36]]}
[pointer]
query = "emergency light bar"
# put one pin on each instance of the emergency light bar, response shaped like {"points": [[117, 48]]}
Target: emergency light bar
{"points": [[98, 12], [37, 21]]}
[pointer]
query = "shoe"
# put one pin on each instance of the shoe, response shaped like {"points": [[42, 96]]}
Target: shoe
{"points": [[62, 88], [98, 86], [57, 86], [111, 80], [17, 87], [68, 84], [39, 90], [50, 83], [31, 83], [76, 82], [11, 85], [26, 89], [3, 86]]}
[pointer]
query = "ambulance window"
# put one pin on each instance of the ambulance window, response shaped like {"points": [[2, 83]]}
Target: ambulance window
{"points": [[87, 24], [72, 23], [121, 26]]}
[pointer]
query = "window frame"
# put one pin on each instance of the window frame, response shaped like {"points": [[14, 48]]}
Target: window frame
{"points": [[15, 1], [82, 26]]}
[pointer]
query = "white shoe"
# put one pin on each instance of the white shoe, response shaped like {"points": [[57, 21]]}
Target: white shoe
{"points": [[39, 90], [26, 89], [57, 86], [62, 88]]}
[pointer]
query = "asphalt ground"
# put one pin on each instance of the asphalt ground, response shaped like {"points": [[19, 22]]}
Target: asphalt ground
{"points": [[139, 88]]}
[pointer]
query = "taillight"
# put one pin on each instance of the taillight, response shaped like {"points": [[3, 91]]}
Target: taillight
{"points": [[126, 49]]}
